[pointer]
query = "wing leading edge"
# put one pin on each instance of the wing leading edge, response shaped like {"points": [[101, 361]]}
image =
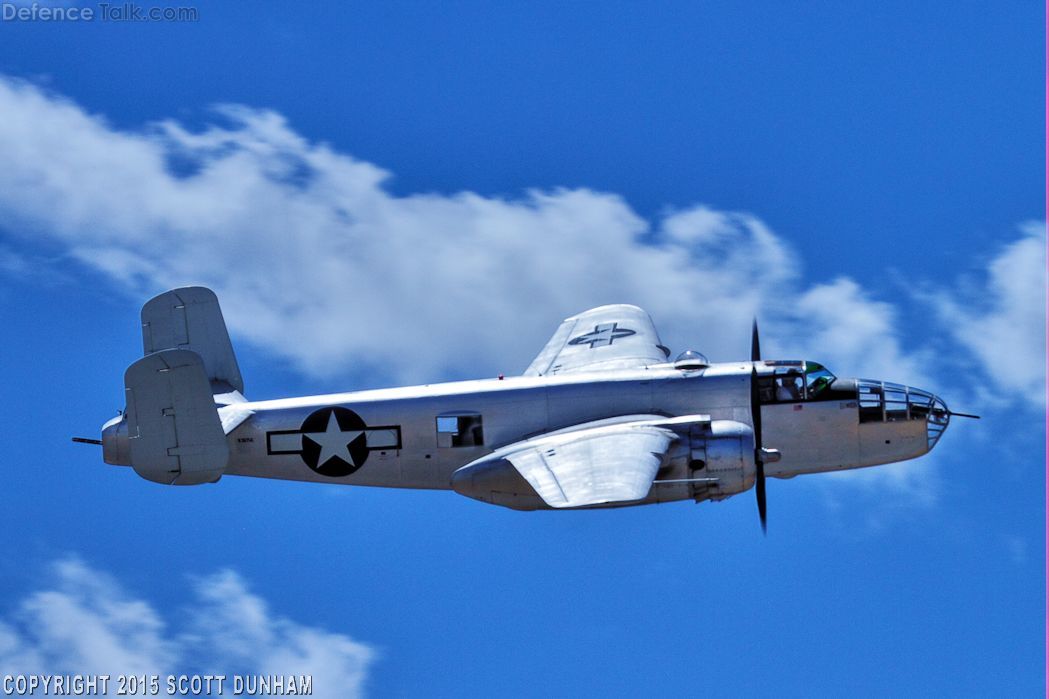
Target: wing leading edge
{"points": [[608, 337]]}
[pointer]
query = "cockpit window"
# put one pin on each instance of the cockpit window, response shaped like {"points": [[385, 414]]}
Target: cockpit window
{"points": [[794, 381], [789, 388], [817, 378], [786, 384]]}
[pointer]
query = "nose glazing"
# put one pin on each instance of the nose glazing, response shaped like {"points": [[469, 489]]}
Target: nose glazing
{"points": [[881, 401], [933, 409]]}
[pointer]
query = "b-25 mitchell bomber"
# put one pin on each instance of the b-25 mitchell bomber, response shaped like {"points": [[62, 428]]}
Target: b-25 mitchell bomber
{"points": [[601, 418]]}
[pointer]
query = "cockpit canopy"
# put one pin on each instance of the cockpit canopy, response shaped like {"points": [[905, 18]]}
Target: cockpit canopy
{"points": [[791, 381]]}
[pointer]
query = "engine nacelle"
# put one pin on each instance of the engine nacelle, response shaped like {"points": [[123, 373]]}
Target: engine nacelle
{"points": [[722, 450]]}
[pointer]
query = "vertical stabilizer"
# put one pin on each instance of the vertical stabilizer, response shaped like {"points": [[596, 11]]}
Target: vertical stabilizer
{"points": [[190, 319], [174, 433]]}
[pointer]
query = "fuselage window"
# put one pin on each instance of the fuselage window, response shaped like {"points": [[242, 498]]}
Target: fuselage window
{"points": [[870, 402], [881, 401], [460, 430], [895, 403]]}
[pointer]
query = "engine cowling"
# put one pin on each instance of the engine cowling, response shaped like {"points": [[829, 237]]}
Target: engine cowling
{"points": [[722, 450]]}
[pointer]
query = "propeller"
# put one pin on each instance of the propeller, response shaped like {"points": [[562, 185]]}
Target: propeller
{"points": [[755, 413]]}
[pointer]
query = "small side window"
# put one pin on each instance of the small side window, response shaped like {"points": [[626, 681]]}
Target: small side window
{"points": [[447, 425], [460, 430], [870, 402]]}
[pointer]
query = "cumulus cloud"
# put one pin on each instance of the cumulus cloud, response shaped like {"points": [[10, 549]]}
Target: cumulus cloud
{"points": [[86, 623], [1000, 317], [842, 323], [911, 484], [315, 260]]}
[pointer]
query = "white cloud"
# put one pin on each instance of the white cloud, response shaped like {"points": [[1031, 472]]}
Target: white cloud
{"points": [[909, 483], [317, 262], [1001, 319], [232, 628], [85, 623], [843, 324], [303, 242]]}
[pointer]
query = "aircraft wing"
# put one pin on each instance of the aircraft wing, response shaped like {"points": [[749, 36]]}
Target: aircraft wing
{"points": [[584, 465], [607, 337]]}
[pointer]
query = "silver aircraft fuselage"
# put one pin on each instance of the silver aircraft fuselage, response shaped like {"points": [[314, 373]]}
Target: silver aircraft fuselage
{"points": [[598, 419], [811, 436]]}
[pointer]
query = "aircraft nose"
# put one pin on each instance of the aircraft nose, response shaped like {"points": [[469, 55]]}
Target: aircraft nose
{"points": [[881, 401], [922, 404], [937, 420]]}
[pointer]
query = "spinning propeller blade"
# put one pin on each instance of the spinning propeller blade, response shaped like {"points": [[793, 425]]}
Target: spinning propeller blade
{"points": [[755, 413]]}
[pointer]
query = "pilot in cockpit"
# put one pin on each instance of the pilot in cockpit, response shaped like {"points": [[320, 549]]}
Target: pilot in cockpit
{"points": [[788, 388]]}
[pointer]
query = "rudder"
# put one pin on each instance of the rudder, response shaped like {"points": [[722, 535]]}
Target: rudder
{"points": [[189, 318], [174, 432]]}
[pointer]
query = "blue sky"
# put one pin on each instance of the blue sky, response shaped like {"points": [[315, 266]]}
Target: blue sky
{"points": [[869, 180]]}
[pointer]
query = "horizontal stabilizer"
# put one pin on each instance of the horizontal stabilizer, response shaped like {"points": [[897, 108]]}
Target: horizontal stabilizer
{"points": [[175, 435], [190, 318]]}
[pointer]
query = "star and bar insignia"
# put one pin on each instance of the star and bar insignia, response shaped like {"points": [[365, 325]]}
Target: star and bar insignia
{"points": [[334, 441]]}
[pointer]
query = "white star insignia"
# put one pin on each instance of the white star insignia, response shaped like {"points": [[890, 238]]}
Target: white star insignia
{"points": [[333, 442]]}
